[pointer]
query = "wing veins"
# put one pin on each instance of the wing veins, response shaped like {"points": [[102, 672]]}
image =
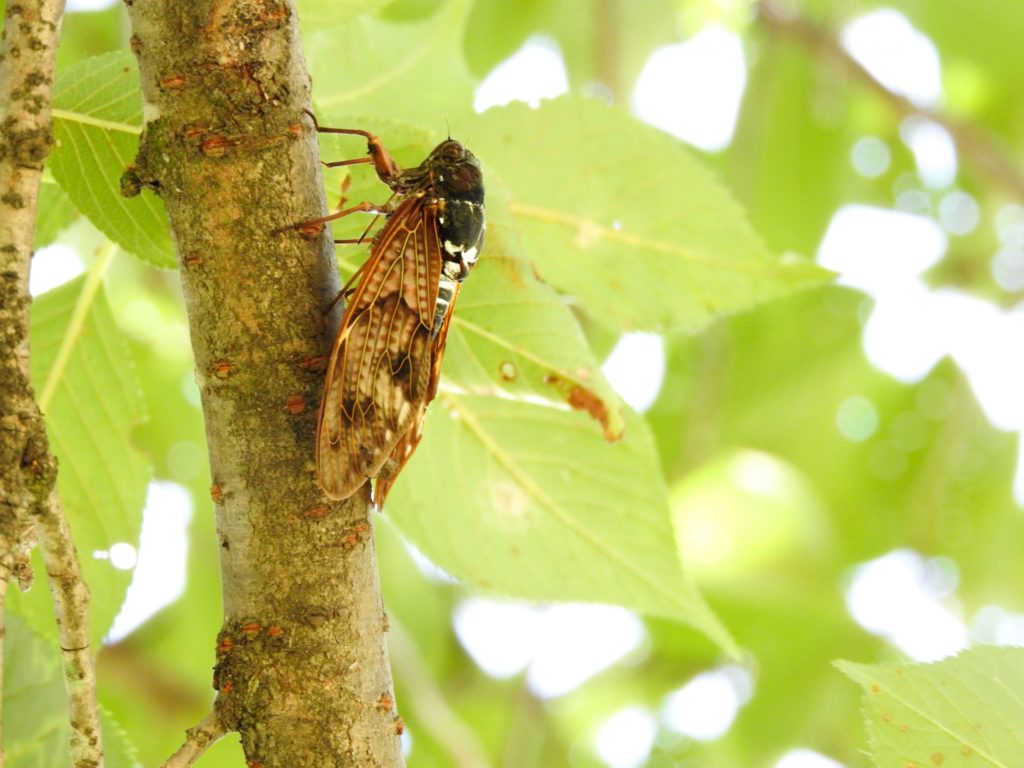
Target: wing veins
{"points": [[354, 374]]}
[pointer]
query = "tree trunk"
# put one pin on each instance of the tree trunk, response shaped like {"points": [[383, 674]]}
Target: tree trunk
{"points": [[302, 668]]}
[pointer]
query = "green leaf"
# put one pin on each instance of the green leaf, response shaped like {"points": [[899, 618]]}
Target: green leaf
{"points": [[963, 711], [87, 389], [408, 72], [54, 213], [621, 217], [978, 42], [35, 707], [512, 335], [91, 33], [316, 14], [33, 699], [409, 10], [619, 37], [531, 501], [97, 119], [496, 29]]}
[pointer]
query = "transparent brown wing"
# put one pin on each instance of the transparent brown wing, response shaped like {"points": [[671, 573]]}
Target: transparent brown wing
{"points": [[382, 364], [407, 444]]}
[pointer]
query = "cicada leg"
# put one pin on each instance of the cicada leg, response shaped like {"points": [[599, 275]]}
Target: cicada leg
{"points": [[318, 222], [387, 169]]}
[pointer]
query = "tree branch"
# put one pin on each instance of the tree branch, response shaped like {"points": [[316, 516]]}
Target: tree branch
{"points": [[28, 471], [198, 740], [983, 150], [26, 81], [71, 602], [302, 670]]}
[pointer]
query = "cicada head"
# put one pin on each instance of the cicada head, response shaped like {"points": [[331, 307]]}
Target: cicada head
{"points": [[454, 172], [455, 182]]}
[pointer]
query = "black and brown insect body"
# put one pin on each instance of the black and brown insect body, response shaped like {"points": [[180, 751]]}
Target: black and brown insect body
{"points": [[386, 361]]}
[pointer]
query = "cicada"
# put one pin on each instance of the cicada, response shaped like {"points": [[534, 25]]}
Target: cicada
{"points": [[386, 361]]}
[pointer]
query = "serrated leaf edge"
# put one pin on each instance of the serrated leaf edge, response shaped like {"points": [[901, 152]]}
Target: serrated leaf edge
{"points": [[859, 673]]}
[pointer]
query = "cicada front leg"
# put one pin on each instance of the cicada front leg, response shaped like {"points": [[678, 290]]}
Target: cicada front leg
{"points": [[387, 170]]}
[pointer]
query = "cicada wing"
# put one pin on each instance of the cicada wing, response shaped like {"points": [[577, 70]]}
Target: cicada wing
{"points": [[381, 366], [396, 462], [407, 445]]}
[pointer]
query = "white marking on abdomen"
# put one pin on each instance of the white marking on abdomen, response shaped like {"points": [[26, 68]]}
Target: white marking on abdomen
{"points": [[445, 289]]}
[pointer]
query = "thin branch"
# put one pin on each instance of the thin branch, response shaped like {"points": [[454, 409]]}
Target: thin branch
{"points": [[28, 470], [429, 705], [982, 149], [71, 602], [198, 739]]}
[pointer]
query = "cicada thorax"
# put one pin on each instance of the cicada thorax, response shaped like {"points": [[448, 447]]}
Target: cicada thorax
{"points": [[386, 360]]}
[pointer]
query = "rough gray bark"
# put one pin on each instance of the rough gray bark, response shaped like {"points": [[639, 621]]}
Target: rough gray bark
{"points": [[29, 505], [302, 671]]}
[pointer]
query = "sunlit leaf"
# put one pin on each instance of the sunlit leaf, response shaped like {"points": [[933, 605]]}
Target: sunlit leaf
{"points": [[402, 71], [496, 29], [531, 501], [514, 333], [978, 43], [33, 698], [315, 14], [618, 40], [55, 212], [965, 711], [621, 217], [97, 119], [791, 161], [510, 331]]}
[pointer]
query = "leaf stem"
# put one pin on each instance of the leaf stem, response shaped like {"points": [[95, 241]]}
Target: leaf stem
{"points": [[110, 125], [93, 281]]}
